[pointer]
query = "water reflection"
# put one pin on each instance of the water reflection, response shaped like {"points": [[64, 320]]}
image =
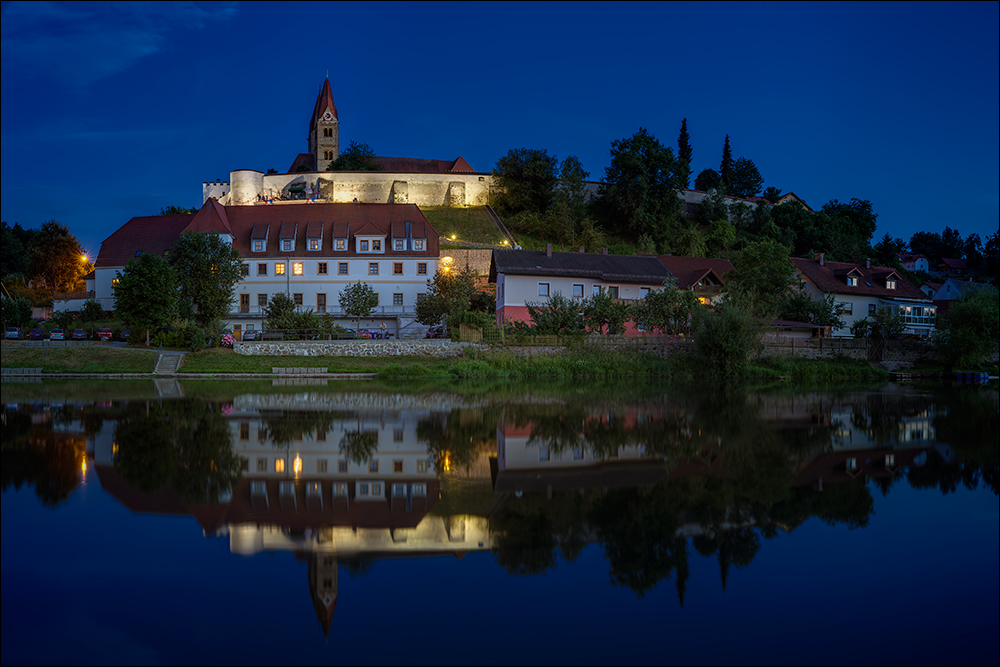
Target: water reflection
{"points": [[343, 480]]}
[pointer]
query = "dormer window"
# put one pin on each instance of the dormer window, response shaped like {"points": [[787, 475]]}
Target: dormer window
{"points": [[258, 246], [340, 244], [418, 244], [376, 245], [852, 281], [286, 245], [890, 283], [399, 244], [363, 246], [314, 244]]}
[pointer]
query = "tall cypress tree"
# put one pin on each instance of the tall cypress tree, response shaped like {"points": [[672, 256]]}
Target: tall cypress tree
{"points": [[684, 154], [726, 168]]}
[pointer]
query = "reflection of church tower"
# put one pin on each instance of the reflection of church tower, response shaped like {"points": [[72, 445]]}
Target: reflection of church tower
{"points": [[323, 587], [324, 129]]}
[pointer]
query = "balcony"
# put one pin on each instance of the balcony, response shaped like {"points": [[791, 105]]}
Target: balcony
{"points": [[257, 312]]}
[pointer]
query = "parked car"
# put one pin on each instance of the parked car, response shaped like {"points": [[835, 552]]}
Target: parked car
{"points": [[37, 334], [124, 334], [439, 331], [79, 334], [13, 333], [252, 334], [105, 334], [57, 334]]}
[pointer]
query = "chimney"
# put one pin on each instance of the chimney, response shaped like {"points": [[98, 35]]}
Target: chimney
{"points": [[548, 250], [822, 258], [581, 250], [868, 262], [604, 251]]}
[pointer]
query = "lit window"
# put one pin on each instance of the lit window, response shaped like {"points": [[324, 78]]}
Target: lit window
{"points": [[543, 289], [279, 268], [578, 291], [286, 245], [258, 246], [890, 459], [890, 284], [418, 244], [397, 268], [279, 465], [297, 269], [340, 244], [397, 299], [244, 270], [314, 244], [373, 268], [262, 269], [342, 268], [321, 268], [421, 268], [363, 246], [852, 281], [115, 281]]}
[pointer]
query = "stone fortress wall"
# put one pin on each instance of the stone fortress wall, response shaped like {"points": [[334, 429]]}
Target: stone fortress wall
{"points": [[248, 186]]}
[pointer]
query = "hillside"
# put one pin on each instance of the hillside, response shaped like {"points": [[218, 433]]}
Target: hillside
{"points": [[471, 224]]}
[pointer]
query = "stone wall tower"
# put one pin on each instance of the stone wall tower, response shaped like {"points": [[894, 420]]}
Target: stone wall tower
{"points": [[324, 129]]}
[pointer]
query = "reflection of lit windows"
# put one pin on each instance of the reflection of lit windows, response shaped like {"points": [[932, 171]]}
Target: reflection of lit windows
{"points": [[419, 490], [342, 465], [397, 466], [261, 465], [363, 489], [890, 459], [297, 465], [279, 465], [852, 464], [422, 466], [543, 454], [340, 489], [373, 465], [376, 488], [321, 465], [297, 269], [399, 490]]}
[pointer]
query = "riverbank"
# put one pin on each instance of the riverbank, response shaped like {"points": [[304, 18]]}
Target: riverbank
{"points": [[473, 364]]}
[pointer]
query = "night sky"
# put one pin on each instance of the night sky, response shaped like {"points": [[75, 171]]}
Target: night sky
{"points": [[115, 110]]}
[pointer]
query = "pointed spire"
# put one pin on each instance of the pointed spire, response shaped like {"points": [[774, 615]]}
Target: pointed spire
{"points": [[324, 101]]}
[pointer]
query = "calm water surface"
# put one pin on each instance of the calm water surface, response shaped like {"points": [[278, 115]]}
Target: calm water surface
{"points": [[249, 523]]}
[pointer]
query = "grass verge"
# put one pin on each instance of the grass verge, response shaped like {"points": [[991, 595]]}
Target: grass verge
{"points": [[79, 359]]}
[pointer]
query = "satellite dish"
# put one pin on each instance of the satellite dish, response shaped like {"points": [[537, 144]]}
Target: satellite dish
{"points": [[517, 247]]}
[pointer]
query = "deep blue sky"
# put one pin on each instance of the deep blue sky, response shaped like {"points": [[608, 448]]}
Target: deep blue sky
{"points": [[111, 111]]}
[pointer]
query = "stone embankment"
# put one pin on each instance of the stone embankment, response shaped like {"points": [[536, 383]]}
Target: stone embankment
{"points": [[353, 348]]}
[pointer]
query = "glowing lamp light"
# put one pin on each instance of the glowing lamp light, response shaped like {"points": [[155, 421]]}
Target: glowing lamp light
{"points": [[453, 237], [84, 258]]}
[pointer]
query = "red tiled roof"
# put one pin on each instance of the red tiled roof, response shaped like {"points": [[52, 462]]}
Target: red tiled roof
{"points": [[157, 234], [956, 264], [314, 230], [689, 270], [416, 165], [871, 281], [301, 160], [211, 218]]}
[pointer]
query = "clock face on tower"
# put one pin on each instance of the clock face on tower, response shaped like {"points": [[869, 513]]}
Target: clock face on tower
{"points": [[328, 116]]}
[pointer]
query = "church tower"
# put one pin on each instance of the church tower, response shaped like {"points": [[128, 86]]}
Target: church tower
{"points": [[324, 129]]}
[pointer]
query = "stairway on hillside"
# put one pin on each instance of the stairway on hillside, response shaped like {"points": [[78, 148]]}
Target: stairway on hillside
{"points": [[168, 364]]}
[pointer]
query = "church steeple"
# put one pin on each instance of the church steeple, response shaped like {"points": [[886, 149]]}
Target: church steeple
{"points": [[324, 129]]}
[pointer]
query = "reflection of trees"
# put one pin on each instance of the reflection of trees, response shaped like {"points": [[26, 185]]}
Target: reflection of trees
{"points": [[283, 428], [969, 421], [458, 435], [33, 455], [183, 444], [849, 503], [359, 446]]}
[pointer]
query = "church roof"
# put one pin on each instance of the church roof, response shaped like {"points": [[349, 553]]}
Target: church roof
{"points": [[416, 165], [324, 101]]}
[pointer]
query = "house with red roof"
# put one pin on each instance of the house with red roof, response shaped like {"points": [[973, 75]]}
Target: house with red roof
{"points": [[862, 289], [308, 251], [915, 262]]}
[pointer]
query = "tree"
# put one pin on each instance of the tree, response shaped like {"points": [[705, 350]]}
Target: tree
{"points": [[763, 273], [726, 167], [668, 311], [177, 210], [684, 155], [798, 306], [15, 243], [969, 332], [602, 313], [57, 257], [707, 180], [572, 188], [991, 254], [887, 251], [559, 315], [356, 157], [63, 319], [452, 294], [92, 310], [146, 294], [886, 322], [972, 251], [745, 180], [279, 311], [16, 311], [210, 268], [725, 340], [638, 189], [358, 300], [771, 194], [526, 180]]}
